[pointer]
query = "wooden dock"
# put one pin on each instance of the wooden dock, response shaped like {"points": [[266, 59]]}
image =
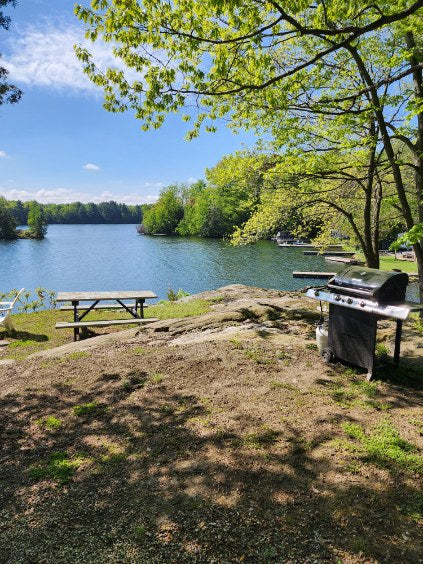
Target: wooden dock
{"points": [[345, 260], [330, 253], [297, 274]]}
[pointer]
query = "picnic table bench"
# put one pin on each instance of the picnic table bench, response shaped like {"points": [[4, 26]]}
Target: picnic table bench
{"points": [[136, 310]]}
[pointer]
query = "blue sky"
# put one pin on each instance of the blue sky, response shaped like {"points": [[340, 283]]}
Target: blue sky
{"points": [[59, 145]]}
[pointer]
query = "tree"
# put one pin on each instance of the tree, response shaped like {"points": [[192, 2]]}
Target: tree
{"points": [[9, 94], [166, 213], [314, 196], [289, 71], [7, 221], [36, 221]]}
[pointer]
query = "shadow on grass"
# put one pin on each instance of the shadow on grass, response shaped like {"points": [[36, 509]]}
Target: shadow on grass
{"points": [[151, 488], [25, 336]]}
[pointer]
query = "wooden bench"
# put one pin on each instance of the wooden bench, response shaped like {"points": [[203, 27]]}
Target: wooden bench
{"points": [[103, 323], [98, 306]]}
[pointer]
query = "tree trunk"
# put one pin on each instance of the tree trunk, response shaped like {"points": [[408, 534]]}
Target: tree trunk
{"points": [[418, 156], [371, 253], [418, 249], [390, 153]]}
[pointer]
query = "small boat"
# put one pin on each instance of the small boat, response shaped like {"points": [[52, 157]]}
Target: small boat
{"points": [[298, 243], [293, 243]]}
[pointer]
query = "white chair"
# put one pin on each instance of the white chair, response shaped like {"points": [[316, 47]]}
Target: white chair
{"points": [[5, 311]]}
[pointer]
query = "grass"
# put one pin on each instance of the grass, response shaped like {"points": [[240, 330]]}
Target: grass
{"points": [[418, 324], [77, 355], [36, 332], [114, 453], [139, 351], [263, 438], [236, 342], [384, 447], [88, 409], [274, 385], [418, 423], [257, 356], [156, 378], [388, 263], [60, 467], [351, 391], [168, 310], [50, 423], [134, 381], [382, 350]]}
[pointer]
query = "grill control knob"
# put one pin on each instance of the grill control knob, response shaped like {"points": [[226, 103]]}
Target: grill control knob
{"points": [[349, 301], [337, 297], [362, 304], [316, 292]]}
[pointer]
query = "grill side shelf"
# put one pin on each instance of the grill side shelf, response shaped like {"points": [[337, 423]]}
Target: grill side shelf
{"points": [[399, 310]]}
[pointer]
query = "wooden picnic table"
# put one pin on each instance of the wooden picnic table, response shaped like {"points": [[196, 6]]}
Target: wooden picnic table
{"points": [[80, 311]]}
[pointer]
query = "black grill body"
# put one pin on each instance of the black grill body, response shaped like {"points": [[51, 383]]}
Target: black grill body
{"points": [[357, 298], [352, 336]]}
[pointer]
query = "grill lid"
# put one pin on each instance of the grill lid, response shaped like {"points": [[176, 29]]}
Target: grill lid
{"points": [[371, 282]]}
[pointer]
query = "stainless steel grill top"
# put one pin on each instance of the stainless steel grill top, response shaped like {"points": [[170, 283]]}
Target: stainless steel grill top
{"points": [[382, 286], [370, 290]]}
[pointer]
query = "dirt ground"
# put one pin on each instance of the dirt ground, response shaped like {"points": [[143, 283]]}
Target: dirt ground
{"points": [[219, 438]]}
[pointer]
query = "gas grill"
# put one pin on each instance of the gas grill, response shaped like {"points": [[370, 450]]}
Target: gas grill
{"points": [[357, 298]]}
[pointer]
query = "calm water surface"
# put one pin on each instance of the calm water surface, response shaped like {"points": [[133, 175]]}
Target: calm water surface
{"points": [[115, 257]]}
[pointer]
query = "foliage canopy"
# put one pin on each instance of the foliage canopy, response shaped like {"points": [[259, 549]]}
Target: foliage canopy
{"points": [[9, 93]]}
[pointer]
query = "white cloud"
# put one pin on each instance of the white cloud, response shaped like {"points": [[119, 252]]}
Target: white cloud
{"points": [[3, 155], [90, 166], [66, 196], [44, 56]]}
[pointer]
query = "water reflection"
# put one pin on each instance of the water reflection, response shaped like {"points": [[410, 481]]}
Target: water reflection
{"points": [[106, 257]]}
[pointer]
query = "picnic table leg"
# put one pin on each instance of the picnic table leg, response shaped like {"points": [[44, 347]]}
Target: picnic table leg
{"points": [[397, 342], [75, 319], [139, 304]]}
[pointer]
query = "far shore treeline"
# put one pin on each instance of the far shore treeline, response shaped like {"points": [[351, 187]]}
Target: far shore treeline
{"points": [[76, 212]]}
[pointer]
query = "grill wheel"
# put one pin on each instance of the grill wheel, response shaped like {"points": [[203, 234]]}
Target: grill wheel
{"points": [[327, 356]]}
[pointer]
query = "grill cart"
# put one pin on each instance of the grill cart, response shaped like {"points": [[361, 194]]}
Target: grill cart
{"points": [[357, 298]]}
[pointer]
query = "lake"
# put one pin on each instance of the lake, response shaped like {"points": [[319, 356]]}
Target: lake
{"points": [[116, 257]]}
